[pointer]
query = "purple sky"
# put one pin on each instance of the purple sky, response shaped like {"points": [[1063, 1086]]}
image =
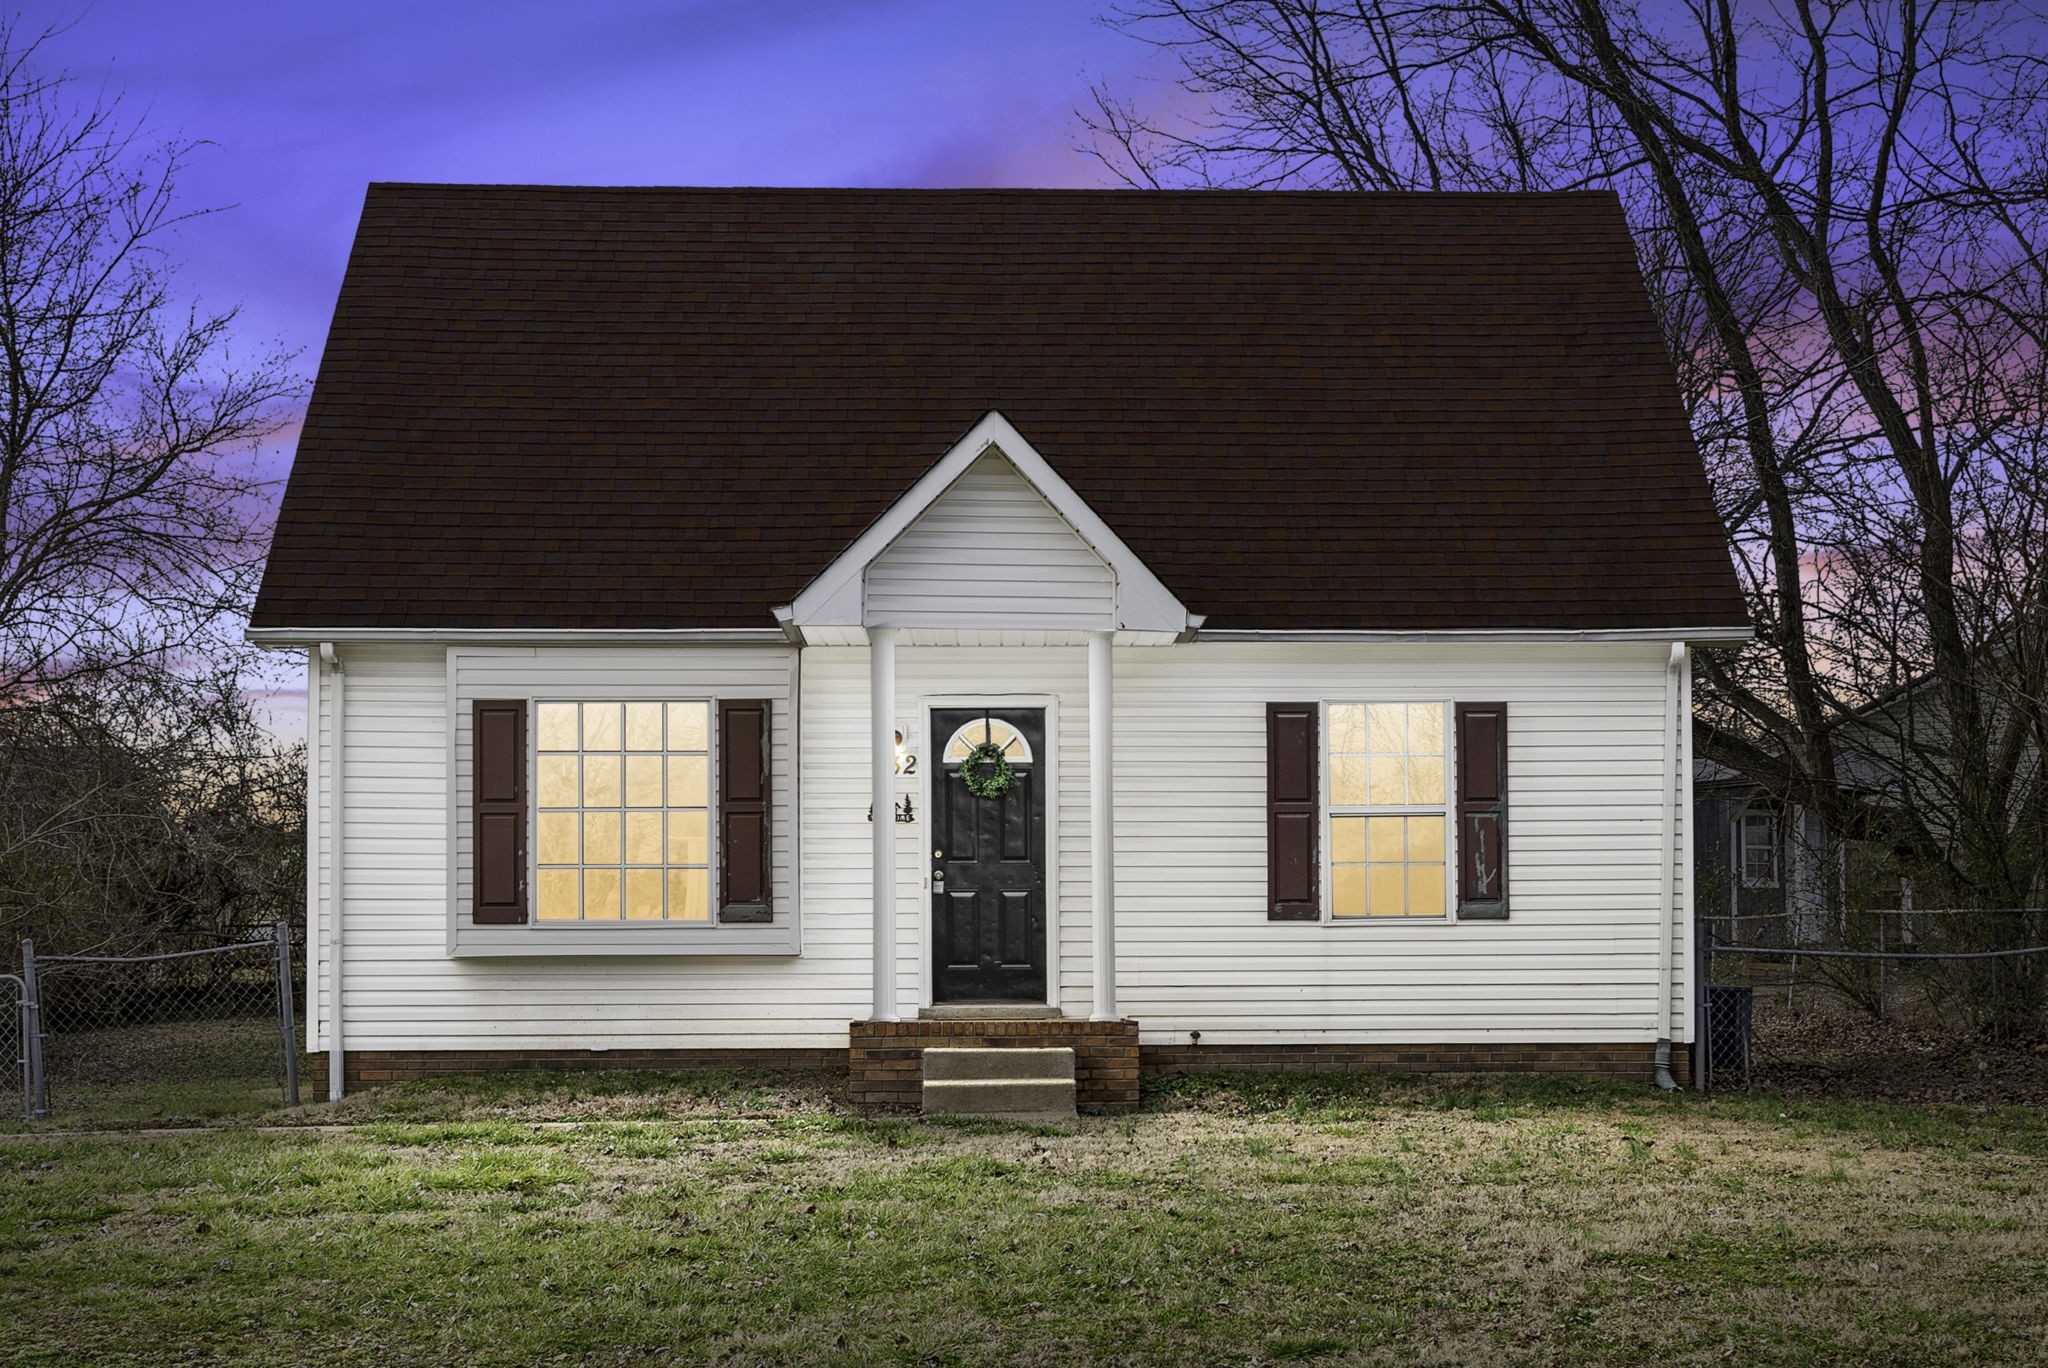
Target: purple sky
{"points": [[306, 103]]}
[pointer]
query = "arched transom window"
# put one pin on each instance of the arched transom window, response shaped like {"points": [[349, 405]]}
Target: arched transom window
{"points": [[1015, 748]]}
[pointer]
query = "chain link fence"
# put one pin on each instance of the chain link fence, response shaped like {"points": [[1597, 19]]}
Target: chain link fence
{"points": [[182, 1035], [1912, 1004], [16, 1092]]}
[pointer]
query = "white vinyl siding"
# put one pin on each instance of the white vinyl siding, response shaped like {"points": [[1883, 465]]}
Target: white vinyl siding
{"points": [[405, 992], [836, 831], [1576, 962], [991, 551]]}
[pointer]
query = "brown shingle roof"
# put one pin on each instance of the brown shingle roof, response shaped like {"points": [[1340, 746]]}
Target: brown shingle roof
{"points": [[630, 408]]}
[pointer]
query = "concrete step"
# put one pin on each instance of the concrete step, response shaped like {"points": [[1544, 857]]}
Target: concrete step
{"points": [[962, 1064], [1040, 1098], [989, 1011]]}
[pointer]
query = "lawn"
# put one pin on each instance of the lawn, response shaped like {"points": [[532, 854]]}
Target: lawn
{"points": [[1334, 1219]]}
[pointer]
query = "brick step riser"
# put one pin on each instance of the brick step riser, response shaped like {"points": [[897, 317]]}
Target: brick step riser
{"points": [[1021, 1064]]}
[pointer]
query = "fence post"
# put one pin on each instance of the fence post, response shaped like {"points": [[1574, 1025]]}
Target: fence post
{"points": [[1883, 972], [32, 1033], [1702, 986], [287, 1027]]}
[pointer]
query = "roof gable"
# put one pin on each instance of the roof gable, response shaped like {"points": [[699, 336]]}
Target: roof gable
{"points": [[920, 564]]}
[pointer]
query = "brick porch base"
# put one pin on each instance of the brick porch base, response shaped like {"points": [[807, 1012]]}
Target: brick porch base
{"points": [[369, 1068], [885, 1062], [1636, 1062]]}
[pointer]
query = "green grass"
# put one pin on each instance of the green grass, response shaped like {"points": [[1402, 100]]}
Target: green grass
{"points": [[1327, 1219]]}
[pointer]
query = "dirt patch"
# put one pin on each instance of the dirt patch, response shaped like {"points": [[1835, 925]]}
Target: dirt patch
{"points": [[1842, 1055]]}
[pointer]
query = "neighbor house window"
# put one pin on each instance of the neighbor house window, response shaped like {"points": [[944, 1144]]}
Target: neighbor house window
{"points": [[1389, 815], [622, 828], [1757, 849]]}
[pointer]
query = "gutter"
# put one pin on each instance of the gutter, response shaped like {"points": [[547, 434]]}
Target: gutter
{"points": [[326, 637], [1703, 636], [1668, 854], [787, 633]]}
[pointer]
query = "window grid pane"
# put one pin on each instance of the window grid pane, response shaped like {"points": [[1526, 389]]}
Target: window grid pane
{"points": [[1386, 859], [622, 822], [991, 729]]}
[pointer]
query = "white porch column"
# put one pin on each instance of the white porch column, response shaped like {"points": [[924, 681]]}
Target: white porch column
{"points": [[1102, 822], [882, 740]]}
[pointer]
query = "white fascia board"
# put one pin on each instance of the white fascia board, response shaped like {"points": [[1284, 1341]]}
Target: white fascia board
{"points": [[458, 636], [1697, 636], [1143, 603]]}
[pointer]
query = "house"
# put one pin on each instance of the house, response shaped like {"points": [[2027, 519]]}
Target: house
{"points": [[1304, 581], [1770, 871], [1765, 871]]}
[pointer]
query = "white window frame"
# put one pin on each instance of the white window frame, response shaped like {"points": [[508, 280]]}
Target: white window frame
{"points": [[1330, 811], [605, 926], [1742, 847]]}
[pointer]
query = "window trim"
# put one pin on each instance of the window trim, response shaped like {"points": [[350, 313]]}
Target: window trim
{"points": [[607, 926], [1446, 810], [1777, 841]]}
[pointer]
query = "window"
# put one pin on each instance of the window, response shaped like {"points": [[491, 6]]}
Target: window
{"points": [[1756, 851], [1389, 817], [1015, 748], [622, 829]]}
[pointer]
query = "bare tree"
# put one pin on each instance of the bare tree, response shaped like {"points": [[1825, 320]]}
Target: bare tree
{"points": [[1840, 207], [129, 503], [142, 805]]}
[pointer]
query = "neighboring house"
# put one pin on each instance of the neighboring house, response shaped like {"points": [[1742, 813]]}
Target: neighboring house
{"points": [[1324, 565], [1764, 872], [1776, 869]]}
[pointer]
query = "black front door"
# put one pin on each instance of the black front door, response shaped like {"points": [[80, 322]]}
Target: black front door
{"points": [[988, 864]]}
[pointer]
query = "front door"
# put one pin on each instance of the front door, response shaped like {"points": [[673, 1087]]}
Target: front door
{"points": [[988, 861]]}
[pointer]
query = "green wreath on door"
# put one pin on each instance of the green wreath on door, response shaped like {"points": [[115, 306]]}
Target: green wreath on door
{"points": [[987, 771]]}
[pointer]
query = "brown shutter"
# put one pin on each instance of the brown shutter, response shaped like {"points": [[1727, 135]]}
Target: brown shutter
{"points": [[1293, 814], [498, 775], [1483, 811], [743, 855]]}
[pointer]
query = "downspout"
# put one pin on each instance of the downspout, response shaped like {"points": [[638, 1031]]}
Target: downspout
{"points": [[316, 887], [1667, 858], [336, 1061]]}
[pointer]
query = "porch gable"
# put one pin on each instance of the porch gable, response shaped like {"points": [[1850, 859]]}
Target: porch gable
{"points": [[991, 539]]}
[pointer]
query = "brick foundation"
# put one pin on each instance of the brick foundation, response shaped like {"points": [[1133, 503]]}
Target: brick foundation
{"points": [[884, 1065], [370, 1068], [1636, 1062], [885, 1059]]}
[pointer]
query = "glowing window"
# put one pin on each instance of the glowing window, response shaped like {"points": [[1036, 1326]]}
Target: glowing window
{"points": [[1015, 748], [1389, 816], [622, 830]]}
